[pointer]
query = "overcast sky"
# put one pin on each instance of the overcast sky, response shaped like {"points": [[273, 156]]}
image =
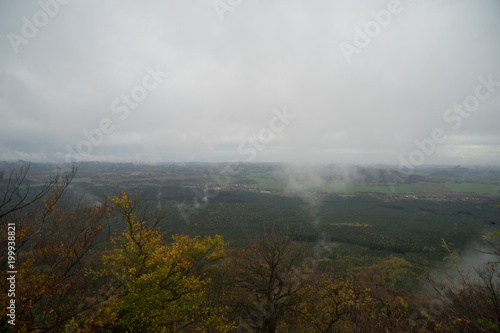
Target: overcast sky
{"points": [[286, 80]]}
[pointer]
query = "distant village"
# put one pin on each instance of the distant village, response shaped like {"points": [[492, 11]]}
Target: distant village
{"points": [[438, 197]]}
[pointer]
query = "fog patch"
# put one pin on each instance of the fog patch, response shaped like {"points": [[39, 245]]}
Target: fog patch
{"points": [[476, 259], [82, 196], [305, 180]]}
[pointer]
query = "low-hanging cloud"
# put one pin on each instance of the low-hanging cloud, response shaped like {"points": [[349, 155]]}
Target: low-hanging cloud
{"points": [[225, 77]]}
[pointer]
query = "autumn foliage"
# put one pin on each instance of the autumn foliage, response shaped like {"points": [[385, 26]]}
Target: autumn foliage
{"points": [[53, 250], [160, 286], [74, 276]]}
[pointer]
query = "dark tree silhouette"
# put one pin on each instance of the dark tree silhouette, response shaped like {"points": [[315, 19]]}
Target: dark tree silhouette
{"points": [[265, 282]]}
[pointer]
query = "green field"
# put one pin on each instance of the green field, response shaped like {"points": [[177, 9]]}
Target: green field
{"points": [[280, 182], [480, 188], [82, 180]]}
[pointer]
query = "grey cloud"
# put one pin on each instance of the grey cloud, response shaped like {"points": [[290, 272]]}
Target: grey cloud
{"points": [[227, 76]]}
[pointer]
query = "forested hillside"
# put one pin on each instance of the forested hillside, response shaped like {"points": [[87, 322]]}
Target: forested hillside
{"points": [[122, 265]]}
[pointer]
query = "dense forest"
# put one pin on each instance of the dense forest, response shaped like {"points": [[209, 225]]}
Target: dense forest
{"points": [[115, 266]]}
